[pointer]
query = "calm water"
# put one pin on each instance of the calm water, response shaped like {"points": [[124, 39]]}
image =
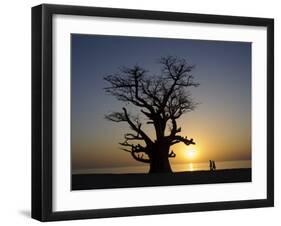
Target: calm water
{"points": [[175, 167]]}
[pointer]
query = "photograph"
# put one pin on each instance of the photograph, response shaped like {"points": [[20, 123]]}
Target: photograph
{"points": [[150, 111]]}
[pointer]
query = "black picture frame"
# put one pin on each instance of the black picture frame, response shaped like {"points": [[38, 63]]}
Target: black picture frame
{"points": [[42, 106]]}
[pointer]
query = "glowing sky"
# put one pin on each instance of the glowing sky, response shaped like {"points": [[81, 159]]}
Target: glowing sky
{"points": [[220, 125]]}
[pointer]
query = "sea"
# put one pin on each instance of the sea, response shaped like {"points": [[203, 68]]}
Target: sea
{"points": [[175, 167]]}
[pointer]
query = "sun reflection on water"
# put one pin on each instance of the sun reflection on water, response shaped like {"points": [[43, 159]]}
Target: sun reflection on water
{"points": [[190, 167]]}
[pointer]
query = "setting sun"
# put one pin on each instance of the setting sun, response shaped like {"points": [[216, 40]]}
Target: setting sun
{"points": [[190, 153]]}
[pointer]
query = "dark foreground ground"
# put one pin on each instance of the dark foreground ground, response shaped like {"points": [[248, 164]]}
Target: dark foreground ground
{"points": [[97, 181]]}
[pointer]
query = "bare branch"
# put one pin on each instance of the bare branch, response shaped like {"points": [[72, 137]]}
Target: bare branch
{"points": [[172, 154], [178, 139], [130, 136], [137, 128], [116, 117], [138, 152]]}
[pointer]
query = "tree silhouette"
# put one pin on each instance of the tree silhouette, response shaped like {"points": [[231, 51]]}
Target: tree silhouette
{"points": [[162, 99]]}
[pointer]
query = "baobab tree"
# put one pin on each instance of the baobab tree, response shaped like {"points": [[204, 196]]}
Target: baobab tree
{"points": [[162, 99]]}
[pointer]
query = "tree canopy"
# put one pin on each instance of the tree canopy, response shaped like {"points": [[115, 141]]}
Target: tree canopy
{"points": [[162, 99]]}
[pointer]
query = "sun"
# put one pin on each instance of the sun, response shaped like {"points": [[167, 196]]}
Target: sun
{"points": [[190, 153]]}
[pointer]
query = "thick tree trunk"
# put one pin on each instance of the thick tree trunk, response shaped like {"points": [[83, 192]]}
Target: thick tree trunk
{"points": [[159, 161]]}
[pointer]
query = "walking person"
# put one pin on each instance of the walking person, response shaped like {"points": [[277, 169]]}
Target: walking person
{"points": [[213, 165]]}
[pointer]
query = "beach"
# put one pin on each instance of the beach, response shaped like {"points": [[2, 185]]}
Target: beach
{"points": [[103, 181]]}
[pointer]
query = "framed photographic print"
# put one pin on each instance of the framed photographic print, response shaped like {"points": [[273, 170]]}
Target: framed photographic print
{"points": [[146, 112]]}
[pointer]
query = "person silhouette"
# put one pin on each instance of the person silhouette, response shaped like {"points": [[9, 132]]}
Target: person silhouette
{"points": [[213, 165]]}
